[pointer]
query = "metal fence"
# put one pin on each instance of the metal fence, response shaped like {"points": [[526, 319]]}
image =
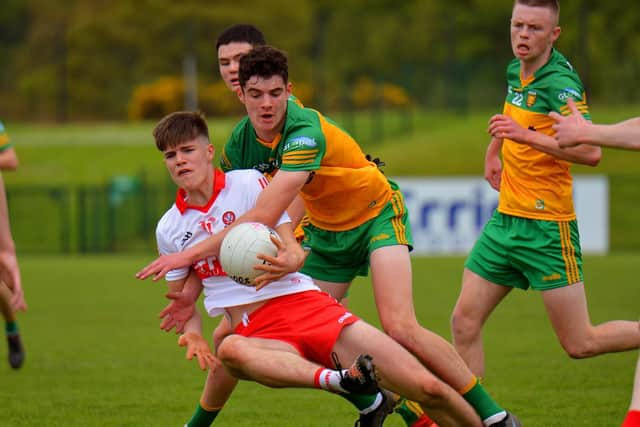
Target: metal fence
{"points": [[121, 215], [118, 216]]}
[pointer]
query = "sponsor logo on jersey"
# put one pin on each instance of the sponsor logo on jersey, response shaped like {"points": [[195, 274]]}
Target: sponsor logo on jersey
{"points": [[185, 238], [569, 93], [344, 317], [228, 217], [300, 142], [531, 98], [208, 267]]}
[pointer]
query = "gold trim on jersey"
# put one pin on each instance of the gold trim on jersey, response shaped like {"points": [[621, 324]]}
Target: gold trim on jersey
{"points": [[582, 107], [299, 157]]}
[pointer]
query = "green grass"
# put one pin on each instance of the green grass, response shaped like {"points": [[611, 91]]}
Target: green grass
{"points": [[95, 355]]}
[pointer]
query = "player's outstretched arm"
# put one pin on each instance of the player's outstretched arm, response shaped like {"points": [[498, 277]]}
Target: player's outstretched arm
{"points": [[182, 306], [503, 126], [574, 129]]}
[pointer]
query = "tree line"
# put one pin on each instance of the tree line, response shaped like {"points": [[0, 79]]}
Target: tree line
{"points": [[83, 59]]}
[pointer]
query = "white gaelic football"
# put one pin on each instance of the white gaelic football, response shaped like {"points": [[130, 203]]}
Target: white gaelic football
{"points": [[239, 250]]}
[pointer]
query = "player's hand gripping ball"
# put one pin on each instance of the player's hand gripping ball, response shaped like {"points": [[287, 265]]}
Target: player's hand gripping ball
{"points": [[239, 250]]}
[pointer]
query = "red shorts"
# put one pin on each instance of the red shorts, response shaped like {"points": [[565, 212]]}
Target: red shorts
{"points": [[311, 321]]}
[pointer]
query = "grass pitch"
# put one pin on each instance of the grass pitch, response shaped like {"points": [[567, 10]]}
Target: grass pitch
{"points": [[95, 355]]}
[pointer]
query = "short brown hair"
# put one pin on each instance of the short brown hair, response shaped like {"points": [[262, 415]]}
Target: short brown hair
{"points": [[554, 5], [178, 127], [263, 61]]}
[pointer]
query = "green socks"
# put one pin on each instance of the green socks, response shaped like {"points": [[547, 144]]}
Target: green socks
{"points": [[202, 417], [11, 328], [484, 405], [409, 411], [360, 401]]}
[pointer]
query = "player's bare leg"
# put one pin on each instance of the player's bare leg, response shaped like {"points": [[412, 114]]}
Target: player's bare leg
{"points": [[220, 383], [478, 298], [394, 299], [402, 373], [217, 388], [633, 415], [569, 315], [14, 342], [277, 364], [408, 410], [392, 285]]}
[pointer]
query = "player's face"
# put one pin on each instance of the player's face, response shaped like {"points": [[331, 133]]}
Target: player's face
{"points": [[189, 164], [266, 103], [533, 32], [229, 62]]}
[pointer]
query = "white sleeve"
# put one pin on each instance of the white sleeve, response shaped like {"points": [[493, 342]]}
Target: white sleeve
{"points": [[165, 247]]}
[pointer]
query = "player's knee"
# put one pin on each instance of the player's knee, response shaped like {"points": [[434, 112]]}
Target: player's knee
{"points": [[578, 348], [462, 326], [433, 393], [231, 353], [402, 331]]}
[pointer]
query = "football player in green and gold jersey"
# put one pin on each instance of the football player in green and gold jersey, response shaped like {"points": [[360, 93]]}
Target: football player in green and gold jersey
{"points": [[532, 239]]}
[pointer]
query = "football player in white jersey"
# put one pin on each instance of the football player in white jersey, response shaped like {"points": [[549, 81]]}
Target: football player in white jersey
{"points": [[290, 322]]}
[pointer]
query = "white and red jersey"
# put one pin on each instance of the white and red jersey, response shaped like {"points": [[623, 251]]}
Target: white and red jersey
{"points": [[184, 225]]}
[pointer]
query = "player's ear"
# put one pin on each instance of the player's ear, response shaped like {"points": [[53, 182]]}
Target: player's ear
{"points": [[211, 151], [240, 93], [289, 88], [555, 33]]}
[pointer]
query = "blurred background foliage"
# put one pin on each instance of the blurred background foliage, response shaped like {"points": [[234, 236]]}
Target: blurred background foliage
{"points": [[110, 60]]}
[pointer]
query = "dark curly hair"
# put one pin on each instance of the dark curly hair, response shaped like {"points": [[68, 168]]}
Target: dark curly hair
{"points": [[265, 62]]}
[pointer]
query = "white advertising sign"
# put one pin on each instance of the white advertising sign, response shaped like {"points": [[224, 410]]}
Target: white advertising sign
{"points": [[447, 214]]}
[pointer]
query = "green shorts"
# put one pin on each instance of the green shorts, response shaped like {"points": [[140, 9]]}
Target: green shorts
{"points": [[522, 252], [340, 256]]}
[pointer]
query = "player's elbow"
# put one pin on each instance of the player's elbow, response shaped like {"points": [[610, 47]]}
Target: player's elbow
{"points": [[10, 164]]}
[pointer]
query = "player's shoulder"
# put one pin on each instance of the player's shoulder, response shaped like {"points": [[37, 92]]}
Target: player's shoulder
{"points": [[559, 73], [241, 127], [168, 220], [246, 178], [303, 128], [242, 175]]}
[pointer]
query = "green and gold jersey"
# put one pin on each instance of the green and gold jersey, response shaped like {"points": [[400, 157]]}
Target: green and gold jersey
{"points": [[4, 138], [344, 189], [534, 184]]}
